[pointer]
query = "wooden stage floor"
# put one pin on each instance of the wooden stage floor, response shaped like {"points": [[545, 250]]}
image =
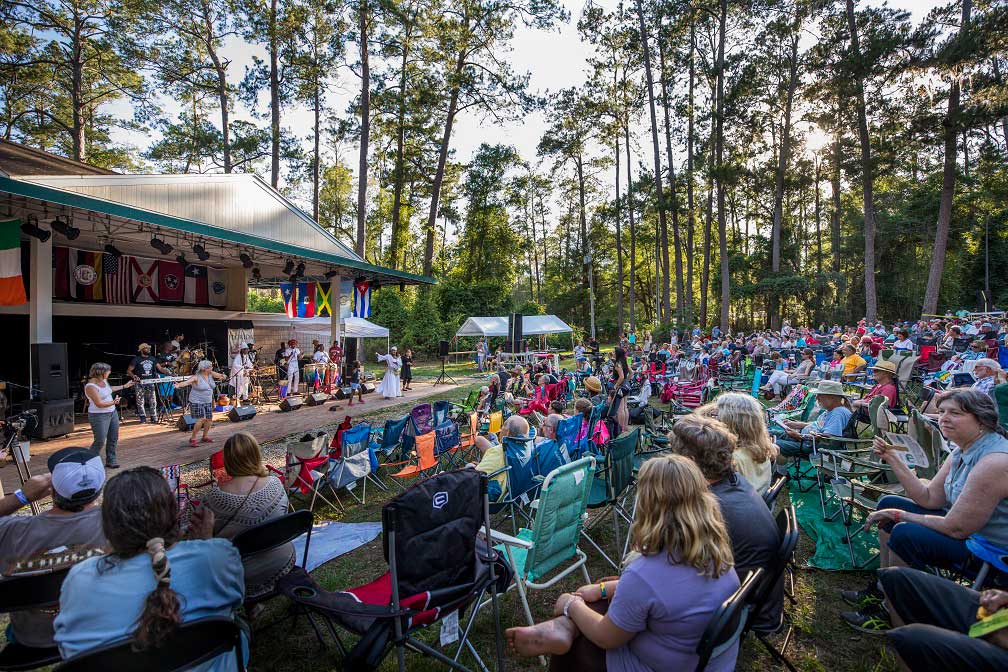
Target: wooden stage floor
{"points": [[163, 444]]}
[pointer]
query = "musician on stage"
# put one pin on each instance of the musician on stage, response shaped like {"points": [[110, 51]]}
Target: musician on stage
{"points": [[103, 412], [201, 399], [144, 367], [333, 375], [293, 355], [320, 359], [75, 481], [241, 366]]}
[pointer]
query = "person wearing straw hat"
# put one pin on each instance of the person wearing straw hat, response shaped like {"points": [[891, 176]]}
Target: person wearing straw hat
{"points": [[594, 388], [885, 385], [830, 396], [143, 367]]}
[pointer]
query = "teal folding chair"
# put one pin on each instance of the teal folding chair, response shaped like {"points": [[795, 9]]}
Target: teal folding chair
{"points": [[610, 485]]}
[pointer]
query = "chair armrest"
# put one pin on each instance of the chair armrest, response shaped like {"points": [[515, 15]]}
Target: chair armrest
{"points": [[507, 539]]}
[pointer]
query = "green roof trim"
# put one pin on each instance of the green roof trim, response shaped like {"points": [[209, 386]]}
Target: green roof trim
{"points": [[75, 200]]}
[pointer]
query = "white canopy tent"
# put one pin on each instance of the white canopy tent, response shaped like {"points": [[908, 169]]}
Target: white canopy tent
{"points": [[532, 325], [271, 329]]}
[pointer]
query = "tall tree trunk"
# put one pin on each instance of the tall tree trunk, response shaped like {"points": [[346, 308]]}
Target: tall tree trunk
{"points": [[585, 246], [398, 237], [633, 227], [705, 272], [835, 210], [662, 223], [442, 162], [274, 74], [535, 239], [77, 86], [783, 160], [950, 124], [619, 240], [673, 195], [818, 222], [365, 134], [867, 170], [316, 153], [719, 163], [1004, 119], [222, 98], [690, 212]]}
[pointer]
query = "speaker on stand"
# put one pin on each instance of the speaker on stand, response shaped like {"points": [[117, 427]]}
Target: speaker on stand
{"points": [[443, 353]]}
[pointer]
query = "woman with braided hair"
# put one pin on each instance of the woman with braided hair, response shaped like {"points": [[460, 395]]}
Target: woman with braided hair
{"points": [[152, 580]]}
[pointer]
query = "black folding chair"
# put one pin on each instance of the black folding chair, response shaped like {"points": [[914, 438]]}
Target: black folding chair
{"points": [[787, 524], [770, 496], [193, 643], [725, 628], [23, 593]]}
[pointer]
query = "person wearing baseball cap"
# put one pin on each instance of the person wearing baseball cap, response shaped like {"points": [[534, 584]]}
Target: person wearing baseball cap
{"points": [[75, 482]]}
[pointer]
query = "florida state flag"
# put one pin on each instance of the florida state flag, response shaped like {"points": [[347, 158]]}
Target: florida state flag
{"points": [[145, 279]]}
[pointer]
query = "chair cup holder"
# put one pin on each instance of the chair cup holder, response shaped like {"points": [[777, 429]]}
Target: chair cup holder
{"points": [[304, 592]]}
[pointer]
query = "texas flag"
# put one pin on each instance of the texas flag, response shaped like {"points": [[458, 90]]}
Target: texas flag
{"points": [[196, 292], [288, 290], [306, 299]]}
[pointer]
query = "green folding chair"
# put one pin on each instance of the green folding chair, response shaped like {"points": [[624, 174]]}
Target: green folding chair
{"points": [[610, 485], [548, 552]]}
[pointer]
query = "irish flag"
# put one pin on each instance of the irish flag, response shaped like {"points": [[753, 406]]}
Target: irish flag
{"points": [[12, 291]]}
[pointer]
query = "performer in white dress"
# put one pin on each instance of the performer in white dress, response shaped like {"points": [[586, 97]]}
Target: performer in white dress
{"points": [[240, 367], [293, 355], [390, 386]]}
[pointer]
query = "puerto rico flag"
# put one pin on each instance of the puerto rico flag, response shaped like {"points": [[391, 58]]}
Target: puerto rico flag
{"points": [[362, 299], [288, 291], [86, 275], [196, 291], [145, 279], [306, 299], [118, 283], [171, 281]]}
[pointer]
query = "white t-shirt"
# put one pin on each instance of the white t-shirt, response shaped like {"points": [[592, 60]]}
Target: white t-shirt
{"points": [[320, 357], [292, 355], [904, 345]]}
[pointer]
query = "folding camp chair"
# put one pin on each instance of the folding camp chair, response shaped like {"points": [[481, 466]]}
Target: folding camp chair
{"points": [[536, 553], [567, 434], [464, 408], [520, 475], [496, 422], [990, 555], [610, 484], [467, 441], [549, 456], [390, 450], [448, 446], [426, 461], [306, 466], [421, 419], [439, 412], [354, 463], [725, 628], [438, 568], [27, 592]]}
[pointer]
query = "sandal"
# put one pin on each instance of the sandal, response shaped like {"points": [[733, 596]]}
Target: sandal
{"points": [[206, 439], [193, 442]]}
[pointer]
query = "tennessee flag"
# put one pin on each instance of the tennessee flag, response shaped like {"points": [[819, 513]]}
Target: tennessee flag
{"points": [[306, 299], [323, 295], [288, 290]]}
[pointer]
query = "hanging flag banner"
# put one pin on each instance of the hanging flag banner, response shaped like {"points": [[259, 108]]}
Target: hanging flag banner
{"points": [[217, 284], [12, 291], [288, 291], [196, 291], [145, 279], [362, 299], [306, 299], [118, 282], [61, 272], [86, 275], [323, 295], [171, 281]]}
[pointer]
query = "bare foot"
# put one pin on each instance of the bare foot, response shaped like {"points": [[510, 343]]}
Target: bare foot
{"points": [[553, 637]]}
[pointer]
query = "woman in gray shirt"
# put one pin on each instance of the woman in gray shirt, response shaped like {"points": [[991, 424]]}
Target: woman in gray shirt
{"points": [[201, 399]]}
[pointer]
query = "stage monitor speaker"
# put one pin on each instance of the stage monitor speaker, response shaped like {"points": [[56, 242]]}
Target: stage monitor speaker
{"points": [[291, 404], [239, 413], [368, 387], [443, 348], [49, 370], [54, 418], [317, 399], [185, 423], [344, 392]]}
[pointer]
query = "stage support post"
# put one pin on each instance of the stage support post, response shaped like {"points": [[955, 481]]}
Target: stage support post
{"points": [[334, 313], [40, 323]]}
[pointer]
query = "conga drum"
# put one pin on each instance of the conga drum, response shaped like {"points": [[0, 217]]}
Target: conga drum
{"points": [[330, 376]]}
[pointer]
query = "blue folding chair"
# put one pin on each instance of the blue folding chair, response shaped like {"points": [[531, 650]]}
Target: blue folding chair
{"points": [[567, 432], [356, 462], [440, 412], [447, 444], [549, 456], [992, 557], [521, 475]]}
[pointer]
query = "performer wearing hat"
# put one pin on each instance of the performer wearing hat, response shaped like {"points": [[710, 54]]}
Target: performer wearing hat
{"points": [[241, 365], [293, 355], [144, 367], [390, 386]]}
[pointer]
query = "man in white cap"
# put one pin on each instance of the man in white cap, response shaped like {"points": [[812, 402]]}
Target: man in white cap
{"points": [[241, 365], [76, 480]]}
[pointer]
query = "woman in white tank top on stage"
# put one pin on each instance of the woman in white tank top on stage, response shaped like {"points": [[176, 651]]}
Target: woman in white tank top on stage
{"points": [[103, 412]]}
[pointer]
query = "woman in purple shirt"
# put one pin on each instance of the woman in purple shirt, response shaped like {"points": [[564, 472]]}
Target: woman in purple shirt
{"points": [[652, 618]]}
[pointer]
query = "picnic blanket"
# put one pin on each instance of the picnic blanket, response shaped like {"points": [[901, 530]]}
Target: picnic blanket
{"points": [[331, 540]]}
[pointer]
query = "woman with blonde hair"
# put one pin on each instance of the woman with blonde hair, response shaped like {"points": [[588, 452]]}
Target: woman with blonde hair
{"points": [[103, 412], [250, 497], [201, 399], [678, 573], [755, 453]]}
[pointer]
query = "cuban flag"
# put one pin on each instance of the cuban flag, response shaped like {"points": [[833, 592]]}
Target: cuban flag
{"points": [[362, 299], [288, 290]]}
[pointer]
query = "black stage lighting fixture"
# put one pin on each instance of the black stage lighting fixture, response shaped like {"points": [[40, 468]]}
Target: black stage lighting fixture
{"points": [[31, 228], [331, 274], [288, 268], [299, 271], [160, 245], [246, 260], [182, 260], [200, 252], [66, 230], [256, 273], [113, 250]]}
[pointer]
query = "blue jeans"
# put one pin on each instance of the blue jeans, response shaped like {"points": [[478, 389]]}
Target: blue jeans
{"points": [[921, 547], [105, 427]]}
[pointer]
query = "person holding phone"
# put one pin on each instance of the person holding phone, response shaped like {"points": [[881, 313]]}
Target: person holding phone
{"points": [[103, 412]]}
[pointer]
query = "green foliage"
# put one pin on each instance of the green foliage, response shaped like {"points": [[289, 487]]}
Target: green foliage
{"points": [[265, 301], [456, 297], [387, 309], [425, 328]]}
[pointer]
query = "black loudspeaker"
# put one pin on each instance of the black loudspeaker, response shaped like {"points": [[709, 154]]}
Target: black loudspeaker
{"points": [[186, 423], [53, 418], [514, 335], [443, 348], [49, 370], [368, 388], [239, 413], [344, 392], [317, 399], [291, 404]]}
